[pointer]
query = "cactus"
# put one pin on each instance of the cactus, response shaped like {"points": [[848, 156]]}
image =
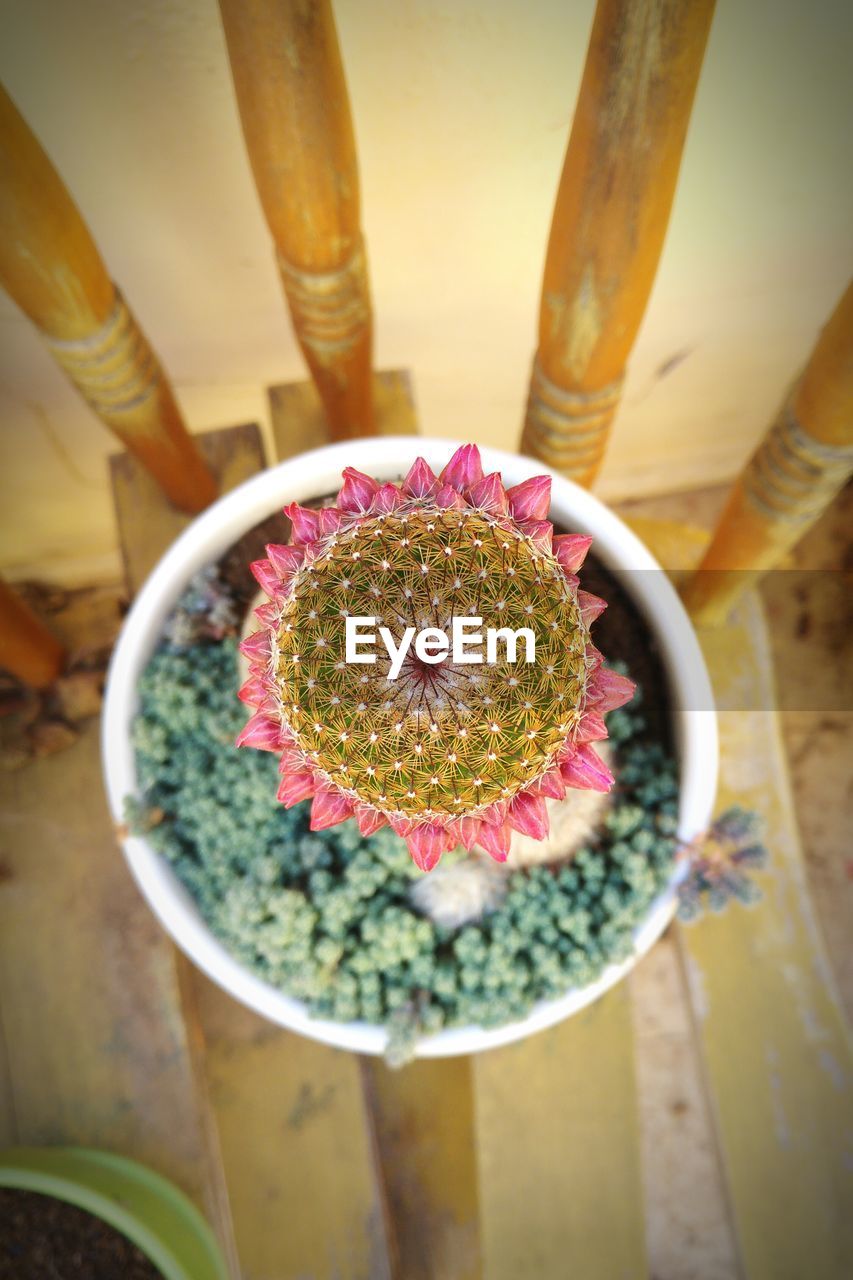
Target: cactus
{"points": [[444, 752]]}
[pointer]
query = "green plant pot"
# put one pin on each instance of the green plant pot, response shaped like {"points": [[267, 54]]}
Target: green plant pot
{"points": [[134, 1200]]}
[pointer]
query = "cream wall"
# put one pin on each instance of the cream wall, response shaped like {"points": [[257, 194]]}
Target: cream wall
{"points": [[462, 110]]}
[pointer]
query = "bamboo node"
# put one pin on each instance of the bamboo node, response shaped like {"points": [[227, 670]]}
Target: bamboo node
{"points": [[330, 309], [568, 429], [792, 476]]}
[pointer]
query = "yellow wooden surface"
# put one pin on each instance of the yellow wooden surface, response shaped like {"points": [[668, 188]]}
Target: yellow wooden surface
{"points": [[689, 1234], [295, 1146], [423, 1118], [676, 546], [298, 421], [558, 1151], [97, 1049], [776, 1052]]}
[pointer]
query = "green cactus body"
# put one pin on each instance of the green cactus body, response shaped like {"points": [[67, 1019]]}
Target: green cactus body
{"points": [[440, 740]]}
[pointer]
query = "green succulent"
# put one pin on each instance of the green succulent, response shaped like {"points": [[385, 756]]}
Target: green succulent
{"points": [[327, 916]]}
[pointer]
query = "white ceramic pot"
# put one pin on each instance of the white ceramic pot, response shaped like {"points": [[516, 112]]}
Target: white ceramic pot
{"points": [[316, 474]]}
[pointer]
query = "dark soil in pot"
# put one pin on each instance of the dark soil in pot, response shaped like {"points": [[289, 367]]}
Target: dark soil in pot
{"points": [[42, 1238]]}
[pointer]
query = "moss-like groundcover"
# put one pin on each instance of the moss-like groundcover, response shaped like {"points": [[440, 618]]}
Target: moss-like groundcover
{"points": [[327, 916]]}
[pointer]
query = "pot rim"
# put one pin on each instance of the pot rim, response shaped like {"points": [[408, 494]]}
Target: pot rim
{"points": [[316, 474]]}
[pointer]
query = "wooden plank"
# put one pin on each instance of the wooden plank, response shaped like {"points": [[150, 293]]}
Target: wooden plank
{"points": [[296, 1148], [147, 524], [774, 1044], [689, 1234], [558, 1151], [299, 423], [97, 1050], [808, 630], [423, 1117], [289, 1114]]}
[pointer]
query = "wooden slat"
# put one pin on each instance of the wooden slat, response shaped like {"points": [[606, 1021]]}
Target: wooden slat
{"points": [[776, 1053], [423, 1117], [97, 1050], [289, 1114], [299, 422], [51, 267], [558, 1151], [689, 1232], [688, 1227], [797, 469], [610, 219], [296, 1148], [294, 109], [146, 524]]}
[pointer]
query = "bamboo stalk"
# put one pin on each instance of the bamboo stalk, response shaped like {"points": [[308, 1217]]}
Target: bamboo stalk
{"points": [[51, 267], [294, 109], [801, 464], [27, 648], [610, 219]]}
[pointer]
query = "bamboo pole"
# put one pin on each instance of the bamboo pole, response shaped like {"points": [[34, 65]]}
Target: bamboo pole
{"points": [[50, 266], [610, 219], [27, 648], [801, 464], [294, 109]]}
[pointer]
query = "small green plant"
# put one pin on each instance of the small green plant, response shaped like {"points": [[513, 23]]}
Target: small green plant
{"points": [[332, 917]]}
